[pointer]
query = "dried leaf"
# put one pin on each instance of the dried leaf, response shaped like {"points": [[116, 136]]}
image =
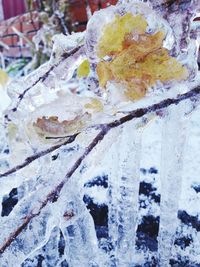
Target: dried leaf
{"points": [[51, 126]]}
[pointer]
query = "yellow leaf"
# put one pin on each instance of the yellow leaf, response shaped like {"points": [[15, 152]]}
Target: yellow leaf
{"points": [[138, 59], [95, 104], [104, 73], [127, 64], [135, 90], [160, 66], [3, 77], [114, 33], [84, 69]]}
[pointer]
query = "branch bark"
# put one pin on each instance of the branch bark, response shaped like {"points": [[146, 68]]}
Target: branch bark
{"points": [[54, 194], [38, 155], [44, 77], [105, 128], [138, 113]]}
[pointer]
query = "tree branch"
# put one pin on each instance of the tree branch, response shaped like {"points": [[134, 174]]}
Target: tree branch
{"points": [[54, 194], [38, 155], [44, 76], [138, 113]]}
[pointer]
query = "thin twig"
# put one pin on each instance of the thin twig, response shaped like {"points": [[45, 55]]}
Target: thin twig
{"points": [[38, 155], [58, 137], [55, 193], [44, 76], [138, 113]]}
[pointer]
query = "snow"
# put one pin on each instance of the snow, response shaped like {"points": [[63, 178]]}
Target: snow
{"points": [[161, 150]]}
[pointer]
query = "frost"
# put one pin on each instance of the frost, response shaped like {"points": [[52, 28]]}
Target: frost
{"points": [[90, 177]]}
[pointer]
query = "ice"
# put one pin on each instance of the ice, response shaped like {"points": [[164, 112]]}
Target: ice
{"points": [[30, 92], [79, 154], [95, 25], [174, 135], [123, 181]]}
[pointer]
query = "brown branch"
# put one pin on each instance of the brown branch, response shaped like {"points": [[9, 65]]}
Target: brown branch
{"points": [[58, 137], [55, 193], [38, 155], [138, 113], [44, 77]]}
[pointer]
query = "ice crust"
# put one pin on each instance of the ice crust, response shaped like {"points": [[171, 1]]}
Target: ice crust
{"points": [[64, 232]]}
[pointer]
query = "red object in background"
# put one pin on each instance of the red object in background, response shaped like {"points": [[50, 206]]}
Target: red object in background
{"points": [[78, 11], [28, 23], [13, 8], [98, 4]]}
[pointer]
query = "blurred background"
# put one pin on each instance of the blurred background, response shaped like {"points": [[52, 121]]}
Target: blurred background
{"points": [[27, 27]]}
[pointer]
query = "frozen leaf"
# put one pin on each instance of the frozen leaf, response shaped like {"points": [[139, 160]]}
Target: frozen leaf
{"points": [[84, 69], [94, 105], [50, 224], [115, 32], [51, 126], [104, 73], [140, 61], [135, 89]]}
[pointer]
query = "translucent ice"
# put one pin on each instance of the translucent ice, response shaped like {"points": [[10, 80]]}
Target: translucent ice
{"points": [[59, 135]]}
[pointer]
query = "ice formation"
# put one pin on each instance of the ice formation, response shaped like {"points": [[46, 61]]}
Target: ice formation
{"points": [[84, 128]]}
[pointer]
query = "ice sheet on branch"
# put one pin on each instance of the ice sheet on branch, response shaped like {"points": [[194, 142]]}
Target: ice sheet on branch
{"points": [[135, 54]]}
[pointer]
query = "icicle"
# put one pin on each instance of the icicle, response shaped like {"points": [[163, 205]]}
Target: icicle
{"points": [[173, 139], [123, 194], [80, 237]]}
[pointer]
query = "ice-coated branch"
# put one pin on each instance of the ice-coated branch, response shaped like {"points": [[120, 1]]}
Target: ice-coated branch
{"points": [[54, 194], [38, 155], [105, 128], [138, 113], [43, 77]]}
